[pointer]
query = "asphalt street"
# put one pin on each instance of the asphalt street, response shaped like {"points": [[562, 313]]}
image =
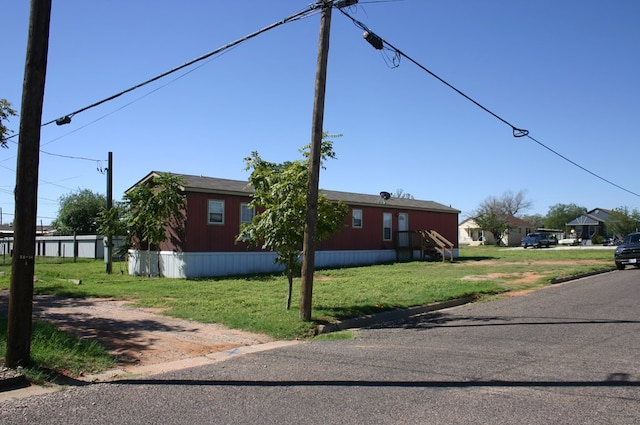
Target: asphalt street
{"points": [[566, 354]]}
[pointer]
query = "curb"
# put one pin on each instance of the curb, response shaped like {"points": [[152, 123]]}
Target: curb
{"points": [[390, 316], [580, 276], [15, 381]]}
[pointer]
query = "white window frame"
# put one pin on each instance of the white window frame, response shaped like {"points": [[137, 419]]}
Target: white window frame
{"points": [[356, 218], [210, 212], [387, 223], [244, 207]]}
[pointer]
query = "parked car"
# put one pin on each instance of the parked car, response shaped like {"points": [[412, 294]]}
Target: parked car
{"points": [[628, 253], [536, 240], [612, 241]]}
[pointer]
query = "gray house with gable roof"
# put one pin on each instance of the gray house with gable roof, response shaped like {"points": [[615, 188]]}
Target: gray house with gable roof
{"points": [[590, 224]]}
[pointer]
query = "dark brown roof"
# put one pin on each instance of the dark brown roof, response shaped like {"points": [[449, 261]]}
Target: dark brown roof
{"points": [[515, 221], [203, 184], [239, 187], [512, 220], [376, 200]]}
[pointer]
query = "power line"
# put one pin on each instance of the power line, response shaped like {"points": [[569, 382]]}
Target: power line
{"points": [[378, 43], [129, 104], [305, 13], [296, 16], [582, 168]]}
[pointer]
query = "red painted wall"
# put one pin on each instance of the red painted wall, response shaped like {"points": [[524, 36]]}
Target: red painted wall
{"points": [[200, 236], [203, 237], [370, 235]]}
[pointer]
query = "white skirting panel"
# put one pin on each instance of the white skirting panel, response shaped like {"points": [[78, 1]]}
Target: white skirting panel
{"points": [[209, 264], [354, 258]]}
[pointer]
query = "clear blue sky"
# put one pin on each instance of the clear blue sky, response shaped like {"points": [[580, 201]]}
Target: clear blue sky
{"points": [[566, 71]]}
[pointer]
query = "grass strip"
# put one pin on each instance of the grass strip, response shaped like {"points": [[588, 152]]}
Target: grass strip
{"points": [[54, 352]]}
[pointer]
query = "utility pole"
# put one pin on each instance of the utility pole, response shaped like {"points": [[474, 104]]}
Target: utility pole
{"points": [[309, 243], [109, 207], [26, 193]]}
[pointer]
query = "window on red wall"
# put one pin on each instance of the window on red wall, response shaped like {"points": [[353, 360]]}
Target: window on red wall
{"points": [[246, 217], [387, 226], [246, 213], [356, 219], [216, 212]]}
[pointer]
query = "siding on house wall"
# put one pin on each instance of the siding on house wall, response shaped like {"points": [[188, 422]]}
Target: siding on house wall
{"points": [[200, 236], [514, 236], [203, 249], [370, 235]]}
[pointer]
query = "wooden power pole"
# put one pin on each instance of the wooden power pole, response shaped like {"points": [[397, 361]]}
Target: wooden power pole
{"points": [[109, 207], [309, 244], [21, 291]]}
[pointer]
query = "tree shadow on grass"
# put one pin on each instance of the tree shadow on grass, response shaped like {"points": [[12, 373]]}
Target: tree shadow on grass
{"points": [[474, 258]]}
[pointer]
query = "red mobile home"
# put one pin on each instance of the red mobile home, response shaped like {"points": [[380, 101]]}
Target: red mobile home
{"points": [[378, 229]]}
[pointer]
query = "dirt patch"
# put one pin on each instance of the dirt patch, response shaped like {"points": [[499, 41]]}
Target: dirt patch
{"points": [[513, 278], [135, 336]]}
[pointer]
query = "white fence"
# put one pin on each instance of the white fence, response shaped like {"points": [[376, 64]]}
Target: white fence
{"points": [[83, 246]]}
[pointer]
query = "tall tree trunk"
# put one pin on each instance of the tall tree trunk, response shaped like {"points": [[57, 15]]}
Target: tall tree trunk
{"points": [[290, 263], [290, 278]]}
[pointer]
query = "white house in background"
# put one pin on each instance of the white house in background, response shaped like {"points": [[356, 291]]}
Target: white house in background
{"points": [[469, 233]]}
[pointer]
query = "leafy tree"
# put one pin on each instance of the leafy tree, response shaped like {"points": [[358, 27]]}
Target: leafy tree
{"points": [[154, 210], [112, 222], [623, 221], [78, 213], [280, 193], [493, 213], [560, 214], [5, 113], [537, 220], [493, 220]]}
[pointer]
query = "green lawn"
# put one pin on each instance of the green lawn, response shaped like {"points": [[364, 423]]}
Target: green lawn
{"points": [[53, 352], [257, 303]]}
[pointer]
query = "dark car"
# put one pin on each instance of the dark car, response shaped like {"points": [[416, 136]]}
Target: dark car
{"points": [[536, 240], [628, 253]]}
